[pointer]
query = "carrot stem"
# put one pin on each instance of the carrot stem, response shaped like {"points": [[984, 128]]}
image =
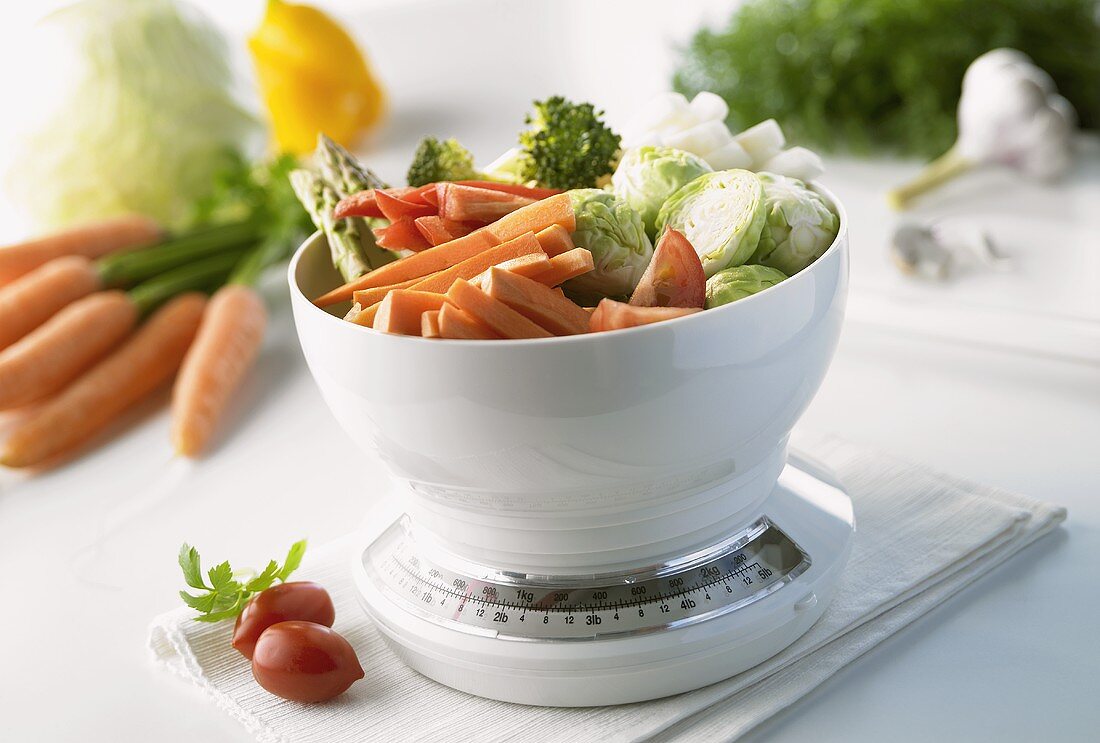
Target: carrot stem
{"points": [[199, 276], [127, 269]]}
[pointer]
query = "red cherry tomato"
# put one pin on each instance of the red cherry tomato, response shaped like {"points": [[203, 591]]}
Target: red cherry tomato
{"points": [[304, 662], [674, 277], [302, 600]]}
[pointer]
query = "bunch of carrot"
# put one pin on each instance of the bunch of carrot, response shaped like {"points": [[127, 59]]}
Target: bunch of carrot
{"points": [[75, 346], [500, 280]]}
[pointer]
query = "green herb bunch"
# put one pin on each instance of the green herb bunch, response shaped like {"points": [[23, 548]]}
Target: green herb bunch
{"points": [[225, 591], [865, 75]]}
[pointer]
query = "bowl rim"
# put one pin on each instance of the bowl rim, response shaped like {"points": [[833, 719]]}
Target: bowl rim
{"points": [[835, 246]]}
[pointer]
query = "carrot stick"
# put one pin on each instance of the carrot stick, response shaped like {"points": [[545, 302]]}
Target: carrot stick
{"points": [[532, 218], [62, 348], [400, 311], [414, 266], [537, 302], [429, 324], [612, 315], [124, 378], [223, 351], [91, 241], [555, 240], [525, 244], [33, 298], [524, 265], [499, 317], [365, 316], [566, 266], [367, 297], [454, 323]]}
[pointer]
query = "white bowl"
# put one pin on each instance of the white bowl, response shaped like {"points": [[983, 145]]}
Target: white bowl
{"points": [[674, 428]]}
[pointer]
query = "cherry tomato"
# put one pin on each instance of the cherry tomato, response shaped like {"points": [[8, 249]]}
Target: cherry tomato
{"points": [[302, 600], [674, 277], [304, 662]]}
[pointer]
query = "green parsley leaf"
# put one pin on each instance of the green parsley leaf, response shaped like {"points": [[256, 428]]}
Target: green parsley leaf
{"points": [[226, 596], [191, 566], [293, 559]]}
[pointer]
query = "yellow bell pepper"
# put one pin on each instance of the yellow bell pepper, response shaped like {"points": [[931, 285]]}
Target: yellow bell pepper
{"points": [[313, 78]]}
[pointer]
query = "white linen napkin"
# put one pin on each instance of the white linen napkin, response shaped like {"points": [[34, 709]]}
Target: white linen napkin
{"points": [[921, 537]]}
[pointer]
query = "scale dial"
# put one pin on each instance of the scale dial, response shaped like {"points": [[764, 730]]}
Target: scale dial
{"points": [[740, 570]]}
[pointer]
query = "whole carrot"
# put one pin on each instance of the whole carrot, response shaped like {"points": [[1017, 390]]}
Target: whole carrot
{"points": [[124, 378], [91, 241], [224, 349], [57, 352], [32, 299]]}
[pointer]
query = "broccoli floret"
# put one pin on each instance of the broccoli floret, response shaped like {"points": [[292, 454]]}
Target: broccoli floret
{"points": [[568, 145], [440, 161]]}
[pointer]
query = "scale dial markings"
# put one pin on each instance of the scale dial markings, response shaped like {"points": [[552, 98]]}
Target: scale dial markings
{"points": [[740, 570]]}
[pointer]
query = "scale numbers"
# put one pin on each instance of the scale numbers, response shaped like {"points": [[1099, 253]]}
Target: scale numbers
{"points": [[740, 570]]}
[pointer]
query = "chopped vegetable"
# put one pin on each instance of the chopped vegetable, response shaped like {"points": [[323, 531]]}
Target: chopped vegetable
{"points": [[555, 240], [1009, 114], [739, 282], [531, 265], [402, 235], [429, 324], [863, 75], [612, 315], [537, 302], [33, 298], [436, 160], [568, 145], [525, 244], [454, 323], [566, 266], [494, 314], [91, 240], [400, 311], [648, 175], [674, 277], [58, 351], [721, 214], [222, 595], [799, 225], [367, 297], [614, 234], [470, 204], [437, 230], [344, 235], [223, 351], [93, 401]]}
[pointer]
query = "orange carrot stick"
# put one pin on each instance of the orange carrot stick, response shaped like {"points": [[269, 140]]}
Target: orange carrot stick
{"points": [[555, 240], [127, 376], [367, 297], [454, 323], [400, 311], [91, 241], [524, 265], [566, 266], [429, 324], [225, 348], [499, 317], [532, 218], [525, 244], [62, 348], [34, 298], [612, 315], [537, 302]]}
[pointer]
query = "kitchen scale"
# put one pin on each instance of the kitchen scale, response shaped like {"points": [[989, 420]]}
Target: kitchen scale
{"points": [[611, 606]]}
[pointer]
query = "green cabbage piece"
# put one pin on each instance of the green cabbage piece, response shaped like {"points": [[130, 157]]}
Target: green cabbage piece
{"points": [[648, 175], [614, 234], [800, 225], [139, 113], [721, 214], [739, 282]]}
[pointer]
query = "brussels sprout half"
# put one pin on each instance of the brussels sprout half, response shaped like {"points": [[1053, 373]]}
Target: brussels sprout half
{"points": [[647, 176], [721, 214]]}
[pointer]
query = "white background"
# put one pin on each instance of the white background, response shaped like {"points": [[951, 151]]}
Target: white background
{"points": [[87, 552]]}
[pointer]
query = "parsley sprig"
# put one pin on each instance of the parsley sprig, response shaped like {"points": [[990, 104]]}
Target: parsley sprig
{"points": [[227, 591]]}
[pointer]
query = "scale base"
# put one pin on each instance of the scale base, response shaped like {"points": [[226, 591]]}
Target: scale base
{"points": [[576, 668]]}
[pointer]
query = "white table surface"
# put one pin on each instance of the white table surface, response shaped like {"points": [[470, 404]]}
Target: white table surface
{"points": [[87, 552]]}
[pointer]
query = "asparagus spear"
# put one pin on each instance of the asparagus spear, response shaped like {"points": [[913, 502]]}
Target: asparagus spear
{"points": [[342, 171], [344, 235]]}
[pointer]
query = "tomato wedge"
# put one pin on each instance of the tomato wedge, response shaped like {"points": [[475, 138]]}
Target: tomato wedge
{"points": [[674, 277]]}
